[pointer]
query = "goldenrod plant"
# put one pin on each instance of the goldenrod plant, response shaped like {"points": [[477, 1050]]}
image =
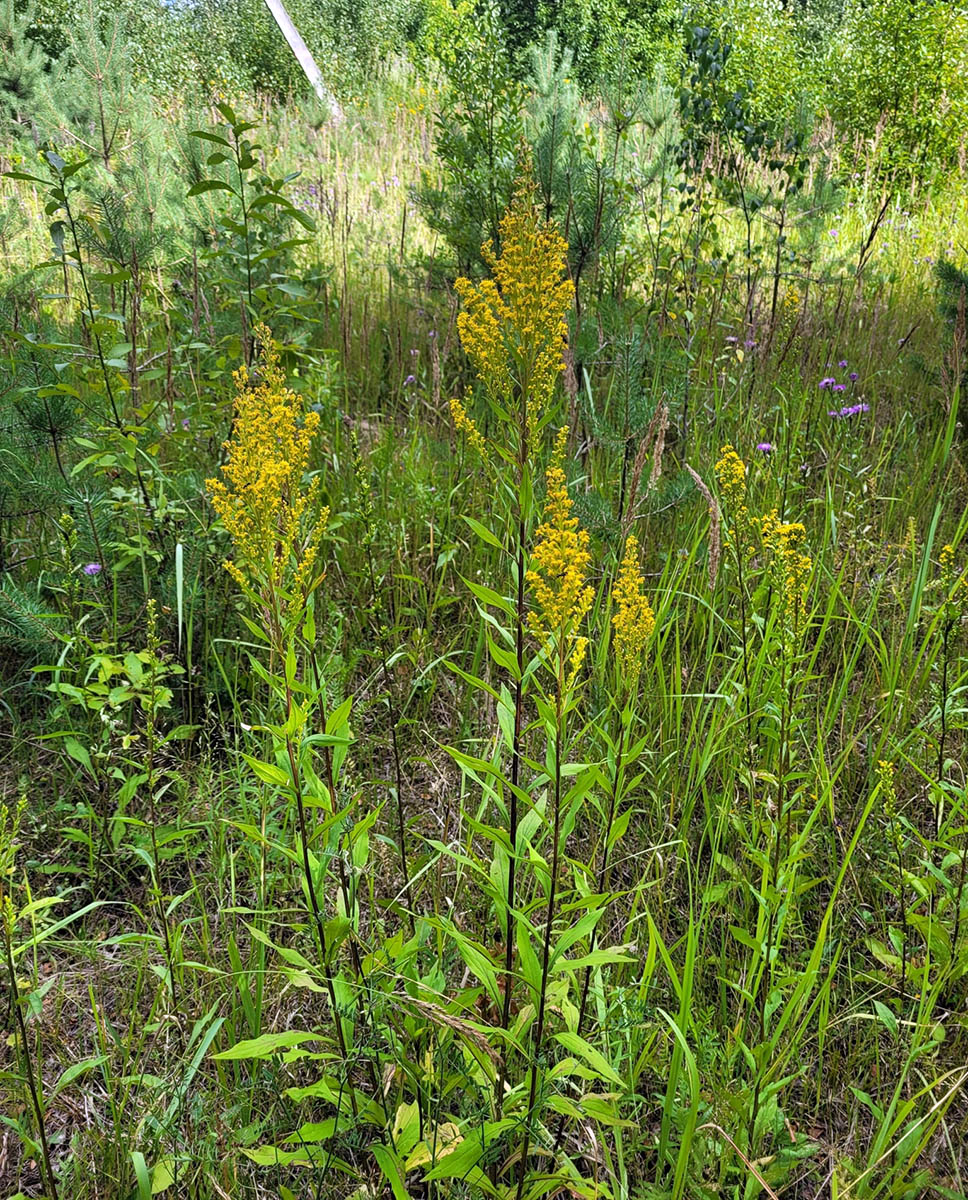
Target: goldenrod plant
{"points": [[513, 330], [275, 522]]}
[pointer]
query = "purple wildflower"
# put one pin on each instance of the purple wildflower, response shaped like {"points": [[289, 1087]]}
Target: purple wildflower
{"points": [[766, 447], [410, 381], [186, 423], [851, 410], [414, 352], [839, 387], [826, 383], [854, 377], [842, 363], [92, 569]]}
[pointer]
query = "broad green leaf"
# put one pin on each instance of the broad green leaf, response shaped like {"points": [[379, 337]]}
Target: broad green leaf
{"points": [[264, 1046], [575, 1044]]}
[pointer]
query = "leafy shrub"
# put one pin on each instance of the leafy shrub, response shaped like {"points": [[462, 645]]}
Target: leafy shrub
{"points": [[901, 67], [596, 31]]}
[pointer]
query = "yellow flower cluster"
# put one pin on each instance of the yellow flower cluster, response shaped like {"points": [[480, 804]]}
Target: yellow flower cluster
{"points": [[792, 565], [731, 474], [561, 559], [888, 792], [633, 621], [946, 560], [465, 425], [954, 589], [271, 518], [513, 325]]}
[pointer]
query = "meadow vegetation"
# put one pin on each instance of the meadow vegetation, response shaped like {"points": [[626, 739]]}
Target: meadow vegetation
{"points": [[483, 596]]}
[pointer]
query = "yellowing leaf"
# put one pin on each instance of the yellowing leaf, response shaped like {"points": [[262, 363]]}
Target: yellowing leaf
{"points": [[448, 1138]]}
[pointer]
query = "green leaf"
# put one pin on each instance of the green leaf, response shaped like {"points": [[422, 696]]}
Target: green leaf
{"points": [[73, 1072], [264, 1046], [211, 137], [888, 1019], [575, 1044], [162, 1175], [392, 1170], [488, 596], [210, 185], [268, 772], [483, 532], [141, 1175]]}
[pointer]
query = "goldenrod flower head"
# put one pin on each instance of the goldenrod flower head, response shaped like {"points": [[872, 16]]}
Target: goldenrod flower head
{"points": [[791, 565], [560, 561], [513, 325], [465, 425], [946, 559], [888, 795], [731, 473], [633, 621], [271, 518]]}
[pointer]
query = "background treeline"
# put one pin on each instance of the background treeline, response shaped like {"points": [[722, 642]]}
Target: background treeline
{"points": [[891, 73]]}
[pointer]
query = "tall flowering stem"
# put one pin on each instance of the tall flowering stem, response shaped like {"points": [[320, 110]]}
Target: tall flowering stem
{"points": [[275, 523], [633, 624], [513, 330], [731, 475], [790, 567], [560, 602]]}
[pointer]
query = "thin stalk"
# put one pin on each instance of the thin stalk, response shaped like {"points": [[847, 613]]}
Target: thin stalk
{"points": [[28, 1062], [549, 920], [394, 742], [311, 889], [519, 619], [600, 887]]}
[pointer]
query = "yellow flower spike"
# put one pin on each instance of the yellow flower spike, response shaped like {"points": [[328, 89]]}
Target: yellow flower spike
{"points": [[513, 325], [465, 425], [633, 621], [946, 560], [269, 515], [790, 564], [560, 562], [731, 473]]}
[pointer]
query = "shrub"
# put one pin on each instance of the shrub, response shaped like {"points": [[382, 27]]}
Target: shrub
{"points": [[901, 67]]}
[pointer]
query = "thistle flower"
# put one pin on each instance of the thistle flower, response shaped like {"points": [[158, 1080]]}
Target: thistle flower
{"points": [[560, 562], [633, 622], [270, 517], [513, 325], [92, 568]]}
